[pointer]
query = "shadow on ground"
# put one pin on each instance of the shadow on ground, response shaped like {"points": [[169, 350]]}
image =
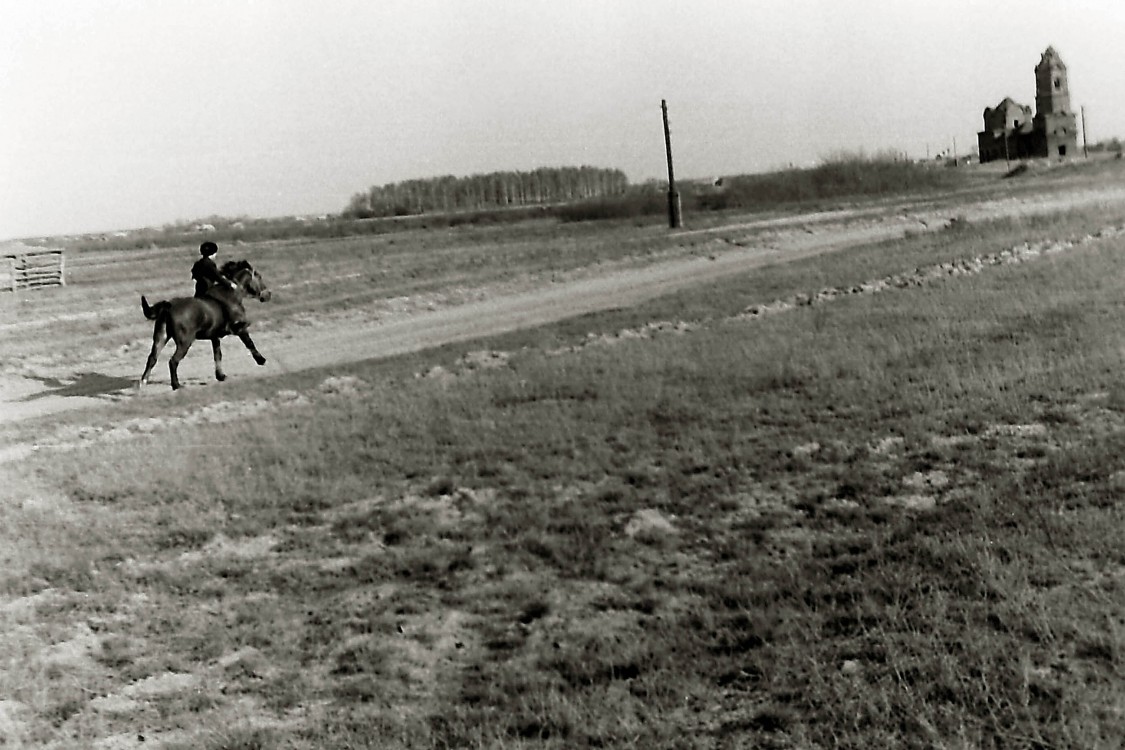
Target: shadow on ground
{"points": [[85, 384]]}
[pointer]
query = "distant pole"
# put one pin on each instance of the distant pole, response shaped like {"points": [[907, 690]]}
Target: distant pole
{"points": [[955, 160], [675, 220], [1085, 143]]}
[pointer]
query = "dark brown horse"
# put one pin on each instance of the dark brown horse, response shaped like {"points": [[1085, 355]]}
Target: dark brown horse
{"points": [[185, 319]]}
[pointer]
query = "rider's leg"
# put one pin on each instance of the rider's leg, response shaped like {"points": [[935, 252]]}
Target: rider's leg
{"points": [[236, 318]]}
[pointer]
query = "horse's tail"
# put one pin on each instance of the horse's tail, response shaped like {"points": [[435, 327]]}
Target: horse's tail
{"points": [[153, 312]]}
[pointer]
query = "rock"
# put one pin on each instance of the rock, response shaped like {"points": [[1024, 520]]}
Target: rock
{"points": [[115, 704], [439, 373], [342, 384], [888, 446], [912, 502], [806, 450], [925, 480], [164, 684], [484, 359], [649, 524], [1017, 430]]}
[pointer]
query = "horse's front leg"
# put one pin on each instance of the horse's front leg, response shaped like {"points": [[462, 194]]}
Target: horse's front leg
{"points": [[249, 342], [217, 349]]}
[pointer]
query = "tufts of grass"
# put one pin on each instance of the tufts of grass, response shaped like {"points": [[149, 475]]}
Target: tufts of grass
{"points": [[452, 565]]}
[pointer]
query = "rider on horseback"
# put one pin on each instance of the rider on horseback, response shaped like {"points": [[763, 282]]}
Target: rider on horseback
{"points": [[210, 283]]}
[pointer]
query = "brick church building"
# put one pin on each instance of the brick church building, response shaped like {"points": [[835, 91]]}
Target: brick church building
{"points": [[1012, 132]]}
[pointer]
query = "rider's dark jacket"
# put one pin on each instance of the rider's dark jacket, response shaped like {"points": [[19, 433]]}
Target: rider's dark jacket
{"points": [[206, 274]]}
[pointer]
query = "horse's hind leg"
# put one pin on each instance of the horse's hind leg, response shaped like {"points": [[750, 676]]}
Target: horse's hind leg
{"points": [[174, 363], [249, 342], [217, 349], [159, 339]]}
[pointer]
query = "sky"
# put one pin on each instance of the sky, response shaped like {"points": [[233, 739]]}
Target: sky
{"points": [[120, 114]]}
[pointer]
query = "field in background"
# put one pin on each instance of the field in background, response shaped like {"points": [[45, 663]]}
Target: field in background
{"points": [[840, 502], [839, 179]]}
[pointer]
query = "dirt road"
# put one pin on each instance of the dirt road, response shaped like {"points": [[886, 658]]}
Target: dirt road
{"points": [[295, 348]]}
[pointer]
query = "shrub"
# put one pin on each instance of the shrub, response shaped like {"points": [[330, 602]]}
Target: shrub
{"points": [[836, 177]]}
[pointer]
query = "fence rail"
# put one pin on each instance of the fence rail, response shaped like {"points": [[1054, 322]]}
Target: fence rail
{"points": [[32, 268]]}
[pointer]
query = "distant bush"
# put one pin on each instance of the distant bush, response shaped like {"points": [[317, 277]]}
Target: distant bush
{"points": [[1113, 145], [837, 177], [842, 176], [638, 202]]}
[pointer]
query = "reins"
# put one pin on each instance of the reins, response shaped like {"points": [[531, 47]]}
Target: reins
{"points": [[242, 286]]}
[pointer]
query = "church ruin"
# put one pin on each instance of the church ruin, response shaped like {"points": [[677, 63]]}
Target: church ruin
{"points": [[1012, 132]]}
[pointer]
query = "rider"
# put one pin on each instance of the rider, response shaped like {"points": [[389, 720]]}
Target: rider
{"points": [[207, 275]]}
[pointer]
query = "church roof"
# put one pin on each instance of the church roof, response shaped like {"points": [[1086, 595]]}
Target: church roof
{"points": [[1007, 103]]}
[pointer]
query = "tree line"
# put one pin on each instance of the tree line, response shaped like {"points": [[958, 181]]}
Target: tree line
{"points": [[487, 191]]}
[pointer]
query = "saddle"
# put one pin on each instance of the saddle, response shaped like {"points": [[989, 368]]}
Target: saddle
{"points": [[233, 311]]}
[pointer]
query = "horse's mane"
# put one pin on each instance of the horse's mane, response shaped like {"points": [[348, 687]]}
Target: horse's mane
{"points": [[231, 267]]}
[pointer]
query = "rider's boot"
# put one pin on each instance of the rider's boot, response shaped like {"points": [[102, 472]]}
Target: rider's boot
{"points": [[236, 322]]}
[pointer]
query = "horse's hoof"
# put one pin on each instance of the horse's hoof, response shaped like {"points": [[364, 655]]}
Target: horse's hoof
{"points": [[260, 359], [220, 377]]}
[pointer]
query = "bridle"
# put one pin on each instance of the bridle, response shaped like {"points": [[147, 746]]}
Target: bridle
{"points": [[248, 287]]}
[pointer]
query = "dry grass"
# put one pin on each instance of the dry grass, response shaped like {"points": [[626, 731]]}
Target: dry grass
{"points": [[890, 520]]}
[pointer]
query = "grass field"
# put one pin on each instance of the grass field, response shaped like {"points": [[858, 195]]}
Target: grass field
{"points": [[883, 519]]}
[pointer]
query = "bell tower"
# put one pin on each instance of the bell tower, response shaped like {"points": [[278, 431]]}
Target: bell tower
{"points": [[1054, 129], [1052, 92]]}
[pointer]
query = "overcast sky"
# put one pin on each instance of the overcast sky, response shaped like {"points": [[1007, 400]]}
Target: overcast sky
{"points": [[117, 114]]}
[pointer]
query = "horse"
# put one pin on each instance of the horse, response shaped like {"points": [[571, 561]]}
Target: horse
{"points": [[185, 319]]}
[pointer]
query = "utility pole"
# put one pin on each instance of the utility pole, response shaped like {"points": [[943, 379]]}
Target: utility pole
{"points": [[1085, 143], [675, 220]]}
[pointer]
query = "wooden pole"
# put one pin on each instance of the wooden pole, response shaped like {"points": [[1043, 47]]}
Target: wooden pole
{"points": [[675, 218], [1085, 150]]}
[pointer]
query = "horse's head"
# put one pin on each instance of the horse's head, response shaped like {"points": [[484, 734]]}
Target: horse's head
{"points": [[251, 282]]}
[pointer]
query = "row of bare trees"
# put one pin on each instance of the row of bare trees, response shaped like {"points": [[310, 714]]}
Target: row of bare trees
{"points": [[487, 191]]}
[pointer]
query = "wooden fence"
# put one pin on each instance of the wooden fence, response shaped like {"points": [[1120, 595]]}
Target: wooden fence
{"points": [[31, 268]]}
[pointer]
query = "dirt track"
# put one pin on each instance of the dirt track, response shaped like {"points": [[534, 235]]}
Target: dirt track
{"points": [[112, 376]]}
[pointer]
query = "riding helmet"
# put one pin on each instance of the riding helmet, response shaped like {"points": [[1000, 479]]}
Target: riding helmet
{"points": [[208, 248]]}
